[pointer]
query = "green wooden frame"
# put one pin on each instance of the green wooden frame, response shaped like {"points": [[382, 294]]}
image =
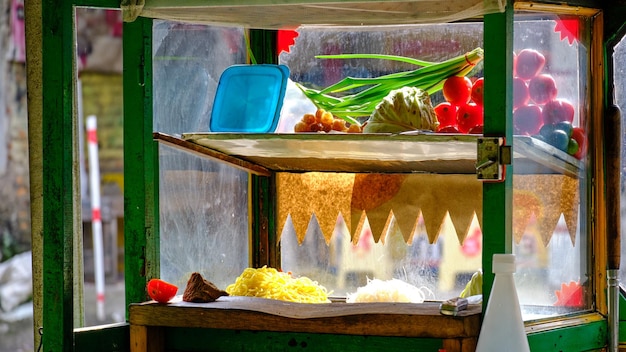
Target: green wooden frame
{"points": [[141, 253], [498, 197], [59, 183]]}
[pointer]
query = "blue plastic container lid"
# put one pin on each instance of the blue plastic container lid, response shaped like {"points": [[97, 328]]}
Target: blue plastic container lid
{"points": [[249, 98]]}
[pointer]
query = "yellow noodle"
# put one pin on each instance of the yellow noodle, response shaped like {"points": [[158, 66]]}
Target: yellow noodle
{"points": [[270, 283]]}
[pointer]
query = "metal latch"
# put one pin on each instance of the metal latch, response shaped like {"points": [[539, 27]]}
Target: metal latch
{"points": [[491, 157]]}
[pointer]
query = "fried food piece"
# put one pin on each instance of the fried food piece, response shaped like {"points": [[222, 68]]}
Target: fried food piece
{"points": [[200, 290]]}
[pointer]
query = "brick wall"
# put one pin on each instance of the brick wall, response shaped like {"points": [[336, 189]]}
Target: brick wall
{"points": [[14, 179], [102, 97]]}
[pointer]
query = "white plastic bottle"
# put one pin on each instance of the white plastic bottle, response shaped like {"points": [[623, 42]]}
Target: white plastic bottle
{"points": [[503, 328]]}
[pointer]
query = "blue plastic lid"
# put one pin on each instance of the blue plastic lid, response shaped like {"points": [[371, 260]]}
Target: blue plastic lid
{"points": [[249, 98]]}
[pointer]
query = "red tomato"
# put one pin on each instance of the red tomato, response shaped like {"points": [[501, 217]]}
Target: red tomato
{"points": [[161, 291], [542, 89], [579, 135], [448, 129], [477, 91], [529, 63], [527, 120], [478, 129], [468, 116], [558, 110], [446, 115], [520, 93], [457, 90]]}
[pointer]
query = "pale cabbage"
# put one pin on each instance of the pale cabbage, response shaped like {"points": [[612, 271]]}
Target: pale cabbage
{"points": [[404, 109]]}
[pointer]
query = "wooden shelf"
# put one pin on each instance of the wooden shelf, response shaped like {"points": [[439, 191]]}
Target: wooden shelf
{"points": [[366, 153], [259, 314]]}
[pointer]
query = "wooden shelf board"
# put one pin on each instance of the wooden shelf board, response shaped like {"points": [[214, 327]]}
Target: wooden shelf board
{"points": [[258, 314]]}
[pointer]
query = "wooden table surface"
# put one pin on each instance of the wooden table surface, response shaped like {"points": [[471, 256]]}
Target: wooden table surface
{"points": [[423, 320]]}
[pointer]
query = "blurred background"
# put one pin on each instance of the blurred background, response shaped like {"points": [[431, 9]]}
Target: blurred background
{"points": [[99, 52]]}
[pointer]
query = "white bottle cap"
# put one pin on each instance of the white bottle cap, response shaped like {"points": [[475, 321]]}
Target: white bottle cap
{"points": [[503, 263]]}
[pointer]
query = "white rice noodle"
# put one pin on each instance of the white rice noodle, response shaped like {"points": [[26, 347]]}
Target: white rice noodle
{"points": [[393, 290]]}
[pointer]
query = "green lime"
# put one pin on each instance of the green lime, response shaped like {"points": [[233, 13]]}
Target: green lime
{"points": [[559, 139], [564, 126], [572, 147]]}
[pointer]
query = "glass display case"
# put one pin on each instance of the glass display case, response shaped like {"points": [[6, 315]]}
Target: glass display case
{"points": [[427, 206], [430, 219]]}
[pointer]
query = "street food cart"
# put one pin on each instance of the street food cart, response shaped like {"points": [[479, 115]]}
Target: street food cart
{"points": [[213, 190]]}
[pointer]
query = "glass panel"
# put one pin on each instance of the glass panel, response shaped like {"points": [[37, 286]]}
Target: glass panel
{"points": [[203, 204], [188, 63], [204, 219], [412, 229], [100, 114], [431, 43], [549, 215], [343, 263], [549, 226]]}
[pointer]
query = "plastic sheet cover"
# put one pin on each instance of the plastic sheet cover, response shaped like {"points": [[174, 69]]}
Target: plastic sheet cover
{"points": [[272, 14]]}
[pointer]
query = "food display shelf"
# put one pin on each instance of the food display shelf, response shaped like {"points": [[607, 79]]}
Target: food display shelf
{"points": [[421, 152], [260, 314]]}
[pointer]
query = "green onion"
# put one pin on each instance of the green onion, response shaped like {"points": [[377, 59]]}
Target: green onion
{"points": [[429, 77], [408, 60]]}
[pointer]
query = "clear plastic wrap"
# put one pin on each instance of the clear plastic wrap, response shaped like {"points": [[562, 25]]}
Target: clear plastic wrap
{"points": [[290, 13]]}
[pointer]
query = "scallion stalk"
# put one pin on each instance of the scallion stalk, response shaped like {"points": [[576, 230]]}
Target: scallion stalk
{"points": [[429, 77]]}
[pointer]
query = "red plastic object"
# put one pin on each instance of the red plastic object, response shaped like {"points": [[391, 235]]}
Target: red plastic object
{"points": [[286, 38], [570, 295], [568, 28]]}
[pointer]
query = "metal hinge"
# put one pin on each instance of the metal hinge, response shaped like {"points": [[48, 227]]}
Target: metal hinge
{"points": [[491, 157]]}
